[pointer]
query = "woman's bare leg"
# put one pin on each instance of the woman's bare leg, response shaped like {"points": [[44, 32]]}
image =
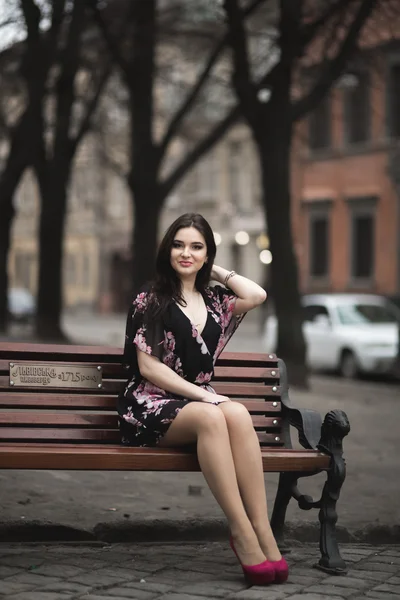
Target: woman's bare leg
{"points": [[205, 424], [249, 472]]}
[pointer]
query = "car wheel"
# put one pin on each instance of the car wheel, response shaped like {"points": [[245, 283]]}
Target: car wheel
{"points": [[348, 365]]}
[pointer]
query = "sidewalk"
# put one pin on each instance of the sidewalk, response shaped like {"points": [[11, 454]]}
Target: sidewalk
{"points": [[186, 572]]}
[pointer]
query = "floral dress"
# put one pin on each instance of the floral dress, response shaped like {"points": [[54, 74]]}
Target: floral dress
{"points": [[145, 410]]}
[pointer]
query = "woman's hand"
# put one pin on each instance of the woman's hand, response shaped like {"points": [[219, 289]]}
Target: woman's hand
{"points": [[214, 398]]}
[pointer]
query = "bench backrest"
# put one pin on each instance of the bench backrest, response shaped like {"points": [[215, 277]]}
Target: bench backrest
{"points": [[79, 415]]}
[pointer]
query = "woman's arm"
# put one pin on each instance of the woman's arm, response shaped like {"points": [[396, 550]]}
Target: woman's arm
{"points": [[249, 293], [152, 369]]}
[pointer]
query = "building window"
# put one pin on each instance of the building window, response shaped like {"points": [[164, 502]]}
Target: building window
{"points": [[320, 126], [393, 117], [356, 108], [319, 239], [362, 238]]}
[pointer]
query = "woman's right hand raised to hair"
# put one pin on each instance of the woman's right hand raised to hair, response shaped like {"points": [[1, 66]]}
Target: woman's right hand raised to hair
{"points": [[214, 398]]}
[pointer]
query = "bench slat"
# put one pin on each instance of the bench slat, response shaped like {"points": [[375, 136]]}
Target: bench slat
{"points": [[66, 401], [24, 419], [109, 354], [117, 371], [86, 435], [141, 459], [113, 386]]}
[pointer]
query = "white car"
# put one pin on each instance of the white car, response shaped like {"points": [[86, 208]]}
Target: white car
{"points": [[349, 333]]}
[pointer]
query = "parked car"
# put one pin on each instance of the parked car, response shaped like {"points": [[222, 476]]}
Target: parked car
{"points": [[21, 305], [348, 333]]}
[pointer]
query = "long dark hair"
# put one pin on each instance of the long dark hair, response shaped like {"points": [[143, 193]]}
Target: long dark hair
{"points": [[167, 287]]}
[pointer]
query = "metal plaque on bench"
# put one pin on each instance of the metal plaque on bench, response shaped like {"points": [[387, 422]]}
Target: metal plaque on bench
{"points": [[55, 375]]}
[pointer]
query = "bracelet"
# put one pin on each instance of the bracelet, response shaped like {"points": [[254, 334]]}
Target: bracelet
{"points": [[227, 278]]}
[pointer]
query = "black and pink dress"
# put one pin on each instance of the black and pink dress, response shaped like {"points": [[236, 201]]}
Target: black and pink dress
{"points": [[146, 411]]}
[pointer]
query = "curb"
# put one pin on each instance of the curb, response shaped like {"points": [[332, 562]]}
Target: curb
{"points": [[187, 530]]}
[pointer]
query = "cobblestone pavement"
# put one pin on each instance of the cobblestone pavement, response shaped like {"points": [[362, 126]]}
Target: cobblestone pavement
{"points": [[186, 572]]}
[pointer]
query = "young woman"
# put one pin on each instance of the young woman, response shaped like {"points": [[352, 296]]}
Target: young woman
{"points": [[176, 329]]}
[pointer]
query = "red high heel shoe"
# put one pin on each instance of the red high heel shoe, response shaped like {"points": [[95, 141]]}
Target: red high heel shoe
{"points": [[281, 569], [261, 574]]}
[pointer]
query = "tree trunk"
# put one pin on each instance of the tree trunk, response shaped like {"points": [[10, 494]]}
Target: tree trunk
{"points": [[53, 188], [17, 162], [145, 234], [7, 215], [274, 138]]}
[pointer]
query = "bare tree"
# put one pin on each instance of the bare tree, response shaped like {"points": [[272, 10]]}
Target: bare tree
{"points": [[36, 61], [149, 184], [55, 153], [332, 28]]}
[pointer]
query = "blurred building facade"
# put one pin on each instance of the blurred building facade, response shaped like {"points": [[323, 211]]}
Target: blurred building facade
{"points": [[346, 182]]}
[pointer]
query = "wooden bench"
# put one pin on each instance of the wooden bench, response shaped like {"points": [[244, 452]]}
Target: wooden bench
{"points": [[49, 420]]}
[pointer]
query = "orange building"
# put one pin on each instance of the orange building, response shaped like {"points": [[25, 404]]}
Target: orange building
{"points": [[346, 182]]}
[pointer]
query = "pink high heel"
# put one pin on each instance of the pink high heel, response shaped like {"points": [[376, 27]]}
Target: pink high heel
{"points": [[281, 569], [261, 574]]}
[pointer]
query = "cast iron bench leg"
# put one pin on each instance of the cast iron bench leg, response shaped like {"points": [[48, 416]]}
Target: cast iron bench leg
{"points": [[334, 428]]}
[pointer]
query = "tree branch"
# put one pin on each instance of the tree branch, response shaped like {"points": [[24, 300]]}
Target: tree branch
{"points": [[189, 101], [202, 148], [111, 41], [65, 84], [213, 137], [335, 67], [245, 89], [310, 30], [91, 109], [32, 16]]}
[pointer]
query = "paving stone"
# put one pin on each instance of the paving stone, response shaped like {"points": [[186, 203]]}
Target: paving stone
{"points": [[32, 579], [211, 589], [259, 593], [96, 579], [210, 567], [108, 597], [382, 595], [391, 552], [346, 581], [312, 596], [38, 596], [123, 592], [7, 571], [374, 566], [11, 587], [21, 561], [331, 590], [59, 570], [85, 562], [118, 572], [391, 588], [303, 580], [177, 596], [386, 559], [150, 586], [67, 587], [370, 575], [362, 551], [166, 575]]}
